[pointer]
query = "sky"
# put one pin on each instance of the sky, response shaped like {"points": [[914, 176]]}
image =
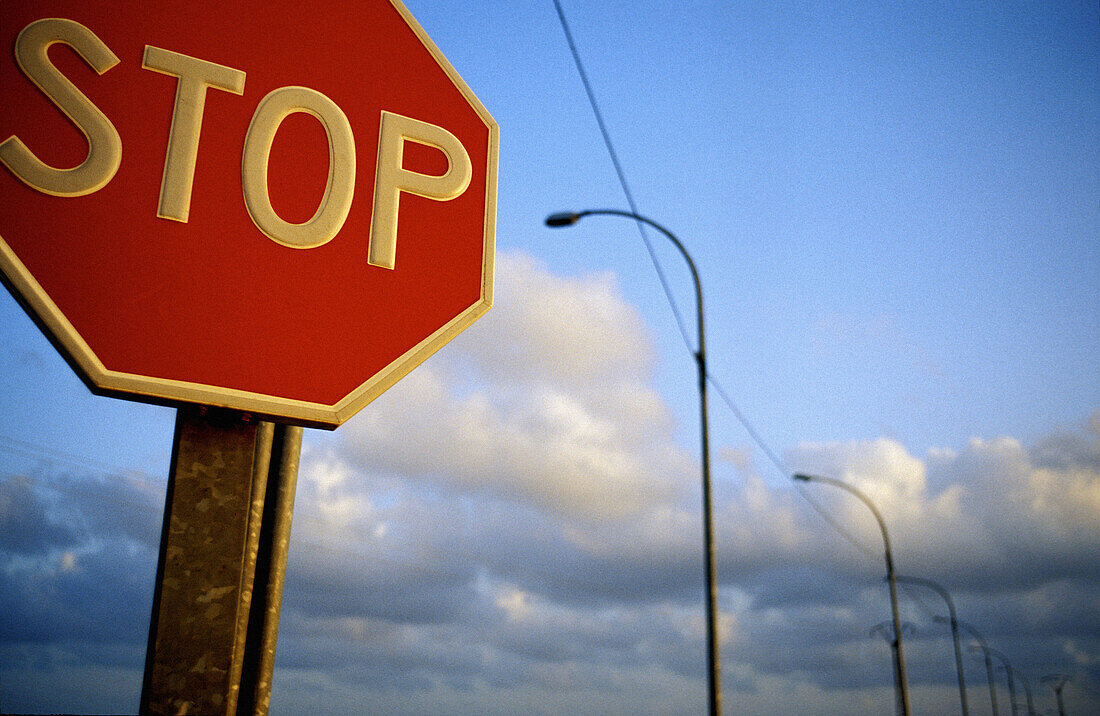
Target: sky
{"points": [[894, 213]]}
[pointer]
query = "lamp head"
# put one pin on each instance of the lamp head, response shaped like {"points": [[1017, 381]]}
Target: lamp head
{"points": [[563, 218], [802, 478]]}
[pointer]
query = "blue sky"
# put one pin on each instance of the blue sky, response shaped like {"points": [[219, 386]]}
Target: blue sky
{"points": [[894, 213]]}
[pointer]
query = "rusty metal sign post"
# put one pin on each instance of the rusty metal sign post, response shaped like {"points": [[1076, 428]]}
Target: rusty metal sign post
{"points": [[222, 563]]}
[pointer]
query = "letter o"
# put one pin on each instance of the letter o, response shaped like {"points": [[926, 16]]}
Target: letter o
{"points": [[340, 188]]}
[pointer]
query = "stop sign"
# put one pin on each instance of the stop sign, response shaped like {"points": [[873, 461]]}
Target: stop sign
{"points": [[264, 206]]}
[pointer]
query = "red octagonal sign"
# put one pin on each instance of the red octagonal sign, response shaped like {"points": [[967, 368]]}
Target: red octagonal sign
{"points": [[256, 205]]}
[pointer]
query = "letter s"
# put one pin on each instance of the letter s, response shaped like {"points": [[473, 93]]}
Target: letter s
{"points": [[104, 144]]}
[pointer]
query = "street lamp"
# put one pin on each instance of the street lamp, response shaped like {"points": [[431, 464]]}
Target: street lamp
{"points": [[714, 684], [1008, 672], [954, 631], [885, 630], [1027, 692], [1057, 683], [988, 663], [899, 655]]}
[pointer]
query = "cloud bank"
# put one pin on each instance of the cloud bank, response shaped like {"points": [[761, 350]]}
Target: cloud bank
{"points": [[512, 528]]}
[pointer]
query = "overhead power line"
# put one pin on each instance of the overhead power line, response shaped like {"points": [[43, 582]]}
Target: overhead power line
{"points": [[41, 452], [738, 414], [622, 178]]}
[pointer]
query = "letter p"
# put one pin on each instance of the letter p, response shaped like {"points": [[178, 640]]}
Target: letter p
{"points": [[391, 178]]}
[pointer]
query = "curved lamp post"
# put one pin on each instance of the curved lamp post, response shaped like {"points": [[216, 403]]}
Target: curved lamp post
{"points": [[899, 655], [954, 631], [714, 685], [988, 663]]}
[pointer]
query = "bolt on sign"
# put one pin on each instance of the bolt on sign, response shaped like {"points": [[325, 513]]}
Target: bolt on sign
{"points": [[267, 207]]}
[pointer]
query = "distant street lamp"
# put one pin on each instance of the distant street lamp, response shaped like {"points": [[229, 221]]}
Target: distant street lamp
{"points": [[899, 655], [714, 683], [1027, 692], [1008, 672], [954, 632], [988, 664], [886, 631], [1057, 683]]}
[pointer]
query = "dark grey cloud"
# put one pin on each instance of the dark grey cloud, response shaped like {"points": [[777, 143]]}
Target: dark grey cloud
{"points": [[493, 545], [27, 527], [558, 577], [76, 562]]}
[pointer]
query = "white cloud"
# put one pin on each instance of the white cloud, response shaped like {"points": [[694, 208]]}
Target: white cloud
{"points": [[562, 330], [993, 507], [501, 537], [542, 522], [562, 415]]}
